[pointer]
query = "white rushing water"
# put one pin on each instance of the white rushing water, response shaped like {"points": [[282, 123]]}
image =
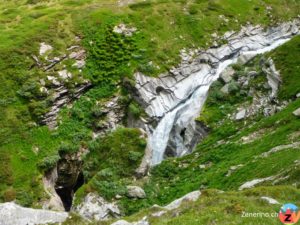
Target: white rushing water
{"points": [[190, 108]]}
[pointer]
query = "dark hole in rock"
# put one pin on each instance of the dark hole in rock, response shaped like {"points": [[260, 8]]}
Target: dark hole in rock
{"points": [[66, 194], [182, 133], [159, 89]]}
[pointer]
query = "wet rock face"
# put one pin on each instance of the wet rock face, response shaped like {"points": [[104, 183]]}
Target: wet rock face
{"points": [[175, 99], [178, 84], [189, 137]]}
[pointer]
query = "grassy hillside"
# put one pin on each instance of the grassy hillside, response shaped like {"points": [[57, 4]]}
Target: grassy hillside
{"points": [[164, 28], [225, 146], [217, 207]]}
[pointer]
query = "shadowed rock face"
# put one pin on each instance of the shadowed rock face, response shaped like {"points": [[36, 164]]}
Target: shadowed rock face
{"points": [[61, 182], [69, 179], [175, 99], [188, 136]]}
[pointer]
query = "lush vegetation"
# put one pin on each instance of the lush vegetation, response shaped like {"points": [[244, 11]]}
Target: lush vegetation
{"points": [[287, 62], [112, 161], [164, 27], [208, 166], [217, 207]]}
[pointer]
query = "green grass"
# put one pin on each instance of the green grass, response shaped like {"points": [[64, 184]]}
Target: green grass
{"points": [[175, 177], [164, 27], [287, 61], [228, 207], [215, 207], [111, 160]]}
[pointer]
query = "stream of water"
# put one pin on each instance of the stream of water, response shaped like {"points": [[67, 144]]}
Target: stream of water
{"points": [[188, 109]]}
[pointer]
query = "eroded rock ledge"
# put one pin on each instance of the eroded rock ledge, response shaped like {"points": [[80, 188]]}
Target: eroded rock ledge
{"points": [[59, 87]]}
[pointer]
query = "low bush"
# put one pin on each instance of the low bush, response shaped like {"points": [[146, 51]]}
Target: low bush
{"points": [[67, 148], [9, 195], [48, 163], [135, 110]]}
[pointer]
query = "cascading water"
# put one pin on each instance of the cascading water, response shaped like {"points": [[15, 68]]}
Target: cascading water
{"points": [[183, 114], [185, 91]]}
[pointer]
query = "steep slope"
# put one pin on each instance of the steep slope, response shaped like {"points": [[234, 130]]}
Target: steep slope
{"points": [[237, 151], [70, 121]]}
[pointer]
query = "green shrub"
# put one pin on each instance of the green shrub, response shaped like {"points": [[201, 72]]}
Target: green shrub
{"points": [[140, 5], [9, 195], [5, 169], [38, 109], [135, 156], [109, 55], [193, 9], [116, 156], [25, 198], [135, 110], [214, 6], [105, 173], [237, 67], [67, 148], [31, 90], [97, 111], [48, 162], [233, 87], [215, 94], [109, 189]]}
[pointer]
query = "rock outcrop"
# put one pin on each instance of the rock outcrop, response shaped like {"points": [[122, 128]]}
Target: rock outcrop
{"points": [[240, 114], [279, 148], [253, 183], [175, 99], [12, 214], [297, 112], [273, 76], [232, 169], [135, 192], [44, 48], [144, 221], [69, 176], [192, 196], [60, 87], [61, 97], [54, 202], [112, 112], [96, 208], [124, 30], [269, 200], [61, 182]]}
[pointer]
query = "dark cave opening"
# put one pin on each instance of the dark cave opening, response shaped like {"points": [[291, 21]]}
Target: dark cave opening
{"points": [[182, 133], [66, 194]]}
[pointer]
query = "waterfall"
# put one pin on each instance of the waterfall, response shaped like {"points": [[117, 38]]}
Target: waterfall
{"points": [[185, 91]]}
